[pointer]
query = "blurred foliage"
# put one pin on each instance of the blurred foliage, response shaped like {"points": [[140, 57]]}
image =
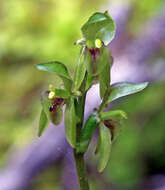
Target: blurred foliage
{"points": [[32, 32], [142, 12], [39, 31]]}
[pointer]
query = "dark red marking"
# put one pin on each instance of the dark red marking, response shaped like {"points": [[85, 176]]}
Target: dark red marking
{"points": [[56, 104], [94, 52], [108, 124]]}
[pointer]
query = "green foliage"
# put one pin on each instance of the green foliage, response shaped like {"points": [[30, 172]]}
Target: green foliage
{"points": [[103, 61], [70, 122], [104, 147], [28, 37], [57, 67], [89, 81], [94, 62], [63, 93], [86, 133], [114, 115], [60, 69], [123, 89], [104, 75]]}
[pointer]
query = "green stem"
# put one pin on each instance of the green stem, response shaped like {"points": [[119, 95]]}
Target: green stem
{"points": [[81, 171], [79, 158]]}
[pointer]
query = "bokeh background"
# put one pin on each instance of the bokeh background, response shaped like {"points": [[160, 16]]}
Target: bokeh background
{"points": [[43, 30]]}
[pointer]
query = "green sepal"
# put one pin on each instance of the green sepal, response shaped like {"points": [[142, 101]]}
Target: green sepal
{"points": [[104, 147], [80, 71], [113, 115], [89, 81], [70, 122], [104, 59], [86, 133], [89, 64], [60, 69], [42, 123], [62, 93], [105, 75], [99, 26], [46, 103], [121, 89], [104, 80]]}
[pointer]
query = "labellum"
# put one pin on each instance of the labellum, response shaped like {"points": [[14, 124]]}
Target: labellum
{"points": [[52, 107], [91, 60], [56, 110]]}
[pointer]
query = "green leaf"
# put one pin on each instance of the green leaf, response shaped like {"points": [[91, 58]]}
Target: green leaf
{"points": [[104, 147], [123, 89], [57, 67], [80, 71], [60, 69], [70, 122], [62, 93], [113, 115], [99, 26], [42, 123]]}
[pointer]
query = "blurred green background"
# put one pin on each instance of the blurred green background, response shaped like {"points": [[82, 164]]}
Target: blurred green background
{"points": [[43, 30]]}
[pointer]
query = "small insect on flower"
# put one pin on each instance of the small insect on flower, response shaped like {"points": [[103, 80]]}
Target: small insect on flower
{"points": [[56, 104]]}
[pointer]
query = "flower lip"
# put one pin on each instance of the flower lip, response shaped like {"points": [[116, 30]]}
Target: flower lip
{"points": [[56, 104], [95, 53]]}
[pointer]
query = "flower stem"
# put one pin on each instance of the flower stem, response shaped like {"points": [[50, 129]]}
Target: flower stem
{"points": [[79, 158], [81, 171]]}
